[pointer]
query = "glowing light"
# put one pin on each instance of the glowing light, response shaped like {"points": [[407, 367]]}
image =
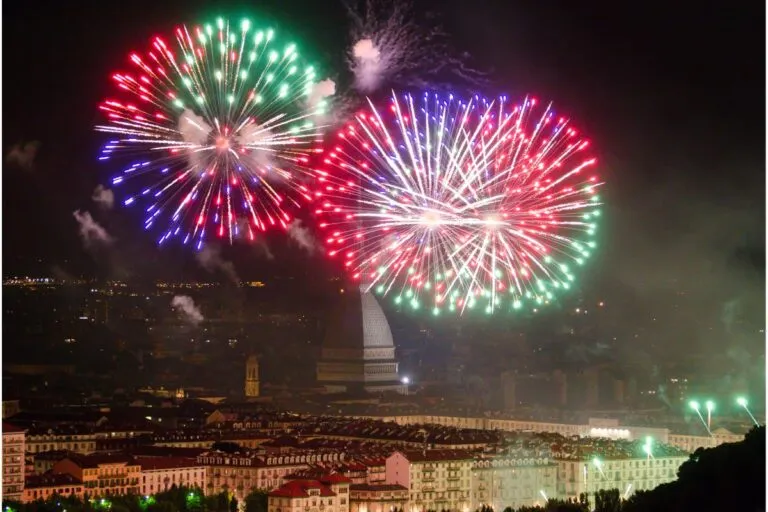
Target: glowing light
{"points": [[460, 205], [214, 147]]}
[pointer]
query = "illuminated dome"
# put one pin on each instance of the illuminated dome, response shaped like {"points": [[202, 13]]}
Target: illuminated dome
{"points": [[357, 321], [358, 350]]}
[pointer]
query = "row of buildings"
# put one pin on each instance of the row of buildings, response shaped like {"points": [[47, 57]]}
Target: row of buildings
{"points": [[355, 466]]}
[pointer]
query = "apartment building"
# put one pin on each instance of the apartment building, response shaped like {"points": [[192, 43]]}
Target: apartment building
{"points": [[328, 494], [13, 462], [159, 474], [501, 482], [628, 474], [377, 498], [244, 472], [42, 487], [435, 479], [102, 475]]}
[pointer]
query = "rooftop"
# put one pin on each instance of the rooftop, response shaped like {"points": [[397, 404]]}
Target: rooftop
{"points": [[49, 480], [300, 489]]}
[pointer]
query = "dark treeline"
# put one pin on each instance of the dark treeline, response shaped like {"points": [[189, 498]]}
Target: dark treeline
{"points": [[176, 499]]}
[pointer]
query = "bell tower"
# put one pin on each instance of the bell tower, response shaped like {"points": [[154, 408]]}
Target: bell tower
{"points": [[252, 377]]}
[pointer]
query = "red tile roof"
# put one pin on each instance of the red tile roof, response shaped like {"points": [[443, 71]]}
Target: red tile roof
{"points": [[159, 463], [300, 489], [11, 429], [94, 461], [437, 455], [334, 478], [50, 480]]}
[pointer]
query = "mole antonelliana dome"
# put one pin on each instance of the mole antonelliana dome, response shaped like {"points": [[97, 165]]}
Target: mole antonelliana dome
{"points": [[357, 321], [358, 350]]}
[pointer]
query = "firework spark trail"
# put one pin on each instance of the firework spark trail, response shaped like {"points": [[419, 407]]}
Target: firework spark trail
{"points": [[389, 45], [459, 204], [217, 125]]}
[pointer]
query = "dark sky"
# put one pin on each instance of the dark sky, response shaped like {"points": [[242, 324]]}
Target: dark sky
{"points": [[672, 97]]}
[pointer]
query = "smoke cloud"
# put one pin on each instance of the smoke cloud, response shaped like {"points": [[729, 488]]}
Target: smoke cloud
{"points": [[186, 306], [368, 67], [258, 139], [210, 259], [91, 232], [301, 236], [104, 197], [23, 155], [322, 90], [388, 44], [195, 132]]}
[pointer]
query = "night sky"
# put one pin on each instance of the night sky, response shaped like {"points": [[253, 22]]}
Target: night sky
{"points": [[673, 100]]}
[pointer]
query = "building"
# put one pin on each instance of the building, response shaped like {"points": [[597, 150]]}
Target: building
{"points": [[435, 479], [501, 482], [588, 473], [358, 352], [78, 438], [377, 498], [252, 377], [161, 473], [329, 494], [13, 462], [241, 473], [102, 475], [42, 487], [598, 428], [691, 443]]}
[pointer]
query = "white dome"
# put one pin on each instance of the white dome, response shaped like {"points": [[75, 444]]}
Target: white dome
{"points": [[358, 322]]}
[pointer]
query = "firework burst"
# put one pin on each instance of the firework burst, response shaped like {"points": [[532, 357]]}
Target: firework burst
{"points": [[456, 205], [213, 127]]}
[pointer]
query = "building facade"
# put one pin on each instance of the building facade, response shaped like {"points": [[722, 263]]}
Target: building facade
{"points": [[242, 473], [602, 428], [329, 494], [377, 498], [13, 462], [102, 475], [502, 482], [435, 479], [159, 474], [42, 487], [627, 475]]}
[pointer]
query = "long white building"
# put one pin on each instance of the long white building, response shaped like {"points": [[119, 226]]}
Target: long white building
{"points": [[599, 428]]}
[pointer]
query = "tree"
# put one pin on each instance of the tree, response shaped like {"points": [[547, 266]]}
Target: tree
{"points": [[257, 501], [727, 477], [607, 501]]}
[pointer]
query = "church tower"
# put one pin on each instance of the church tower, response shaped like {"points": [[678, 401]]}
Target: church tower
{"points": [[251, 377]]}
